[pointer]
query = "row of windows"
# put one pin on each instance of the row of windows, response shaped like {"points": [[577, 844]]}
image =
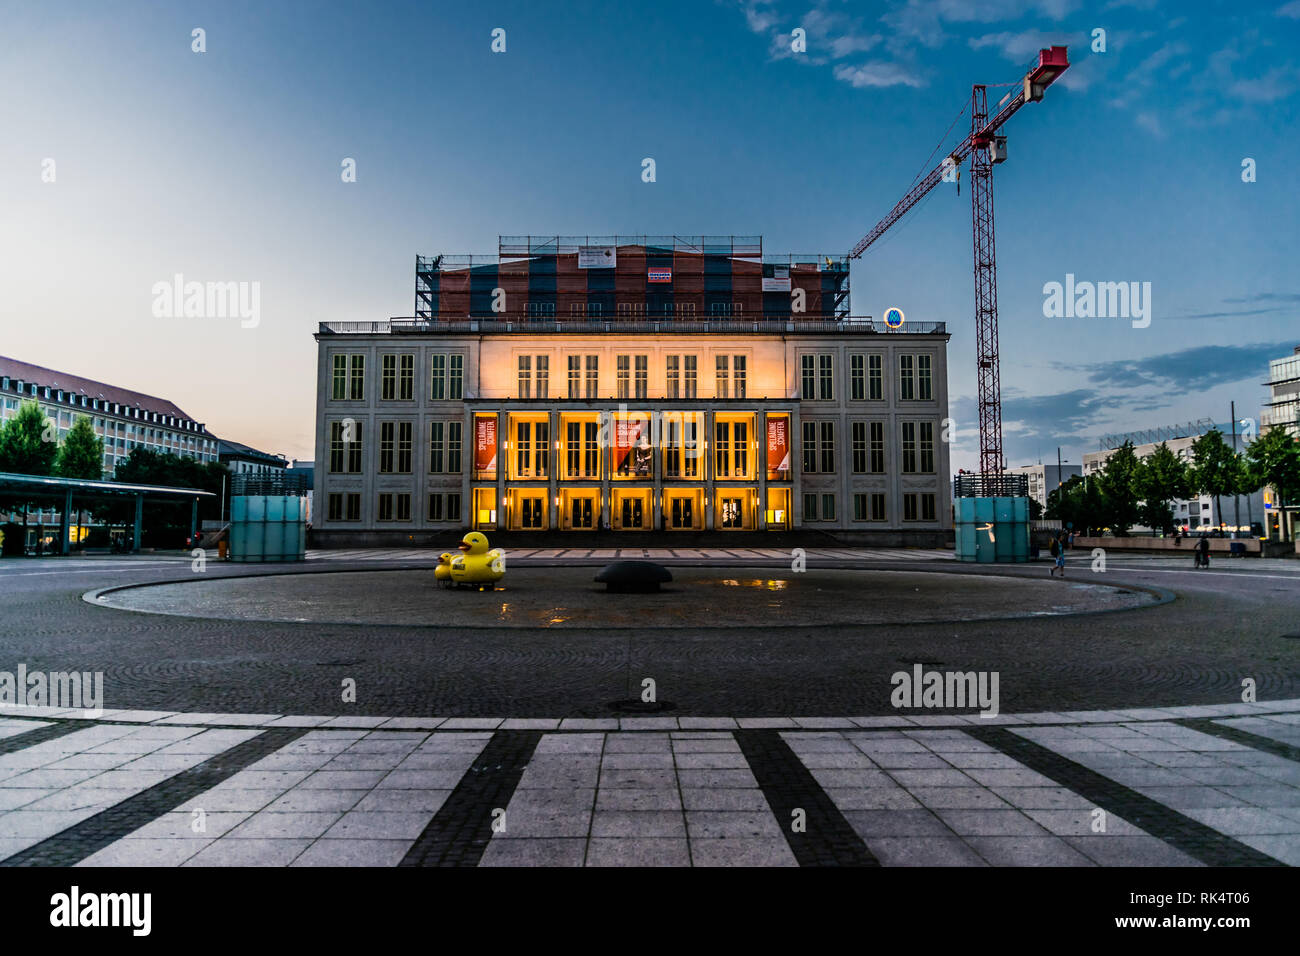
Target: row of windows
{"points": [[732, 447], [917, 506], [397, 377], [393, 506], [915, 376], [596, 310]]}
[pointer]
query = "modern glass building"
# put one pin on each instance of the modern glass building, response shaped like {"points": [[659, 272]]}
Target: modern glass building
{"points": [[630, 384]]}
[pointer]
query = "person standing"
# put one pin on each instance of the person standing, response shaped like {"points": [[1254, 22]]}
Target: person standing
{"points": [[1203, 553]]}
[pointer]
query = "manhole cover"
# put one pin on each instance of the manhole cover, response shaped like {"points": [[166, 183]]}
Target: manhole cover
{"points": [[636, 705], [341, 662]]}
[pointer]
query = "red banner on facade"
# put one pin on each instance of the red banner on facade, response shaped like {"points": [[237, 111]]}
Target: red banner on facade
{"points": [[485, 443], [778, 446], [632, 451]]}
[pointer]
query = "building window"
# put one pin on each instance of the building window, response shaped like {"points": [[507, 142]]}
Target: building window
{"points": [[446, 376], [353, 502], [532, 449], [825, 378], [543, 380], [345, 446], [387, 431], [877, 506], [335, 506], [435, 508], [731, 449], [525, 376], [927, 507], [722, 376], [388, 378], [405, 442], [405, 377], [386, 507], [738, 375], [672, 364], [357, 379], [690, 376], [809, 507], [828, 507], [642, 381], [339, 387], [444, 447], [828, 446], [909, 507], [857, 381], [453, 507], [915, 378], [909, 447], [876, 377], [681, 446], [575, 376], [927, 447], [859, 507], [593, 376], [859, 447], [624, 376], [807, 377], [866, 377], [582, 449]]}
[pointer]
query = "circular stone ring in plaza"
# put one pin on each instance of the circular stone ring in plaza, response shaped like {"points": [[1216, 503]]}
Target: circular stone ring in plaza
{"points": [[567, 597]]}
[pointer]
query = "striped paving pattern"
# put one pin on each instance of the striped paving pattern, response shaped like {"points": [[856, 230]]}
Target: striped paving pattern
{"points": [[1113, 789], [704, 555]]}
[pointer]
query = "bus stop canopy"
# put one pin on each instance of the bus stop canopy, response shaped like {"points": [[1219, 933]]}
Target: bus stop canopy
{"points": [[60, 492]]}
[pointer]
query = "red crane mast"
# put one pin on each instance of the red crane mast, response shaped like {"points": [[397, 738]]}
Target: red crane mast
{"points": [[986, 149]]}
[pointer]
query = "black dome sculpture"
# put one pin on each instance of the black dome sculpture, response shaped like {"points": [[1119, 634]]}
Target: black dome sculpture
{"points": [[633, 576]]}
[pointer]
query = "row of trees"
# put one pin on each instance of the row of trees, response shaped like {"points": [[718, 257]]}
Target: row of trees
{"points": [[29, 445], [1132, 491]]}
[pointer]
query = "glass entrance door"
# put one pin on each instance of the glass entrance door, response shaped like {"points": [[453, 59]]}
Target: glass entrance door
{"points": [[682, 514], [531, 514], [731, 514], [582, 512], [633, 513]]}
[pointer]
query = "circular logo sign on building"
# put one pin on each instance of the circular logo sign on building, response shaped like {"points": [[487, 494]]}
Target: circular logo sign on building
{"points": [[893, 318]]}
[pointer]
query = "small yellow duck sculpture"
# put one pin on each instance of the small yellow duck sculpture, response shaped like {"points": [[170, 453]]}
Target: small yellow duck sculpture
{"points": [[475, 565]]}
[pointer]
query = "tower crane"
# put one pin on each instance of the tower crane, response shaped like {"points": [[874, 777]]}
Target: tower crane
{"points": [[986, 148]]}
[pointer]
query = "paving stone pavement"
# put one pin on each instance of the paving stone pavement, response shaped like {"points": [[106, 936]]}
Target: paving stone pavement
{"points": [[1190, 786]]}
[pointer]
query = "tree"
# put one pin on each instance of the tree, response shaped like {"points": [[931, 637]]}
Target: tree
{"points": [[1275, 459], [81, 456], [168, 522], [1116, 485], [82, 453], [1161, 478], [28, 444], [1213, 470], [1035, 510]]}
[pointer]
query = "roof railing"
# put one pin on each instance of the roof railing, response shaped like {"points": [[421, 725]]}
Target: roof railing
{"points": [[777, 325]]}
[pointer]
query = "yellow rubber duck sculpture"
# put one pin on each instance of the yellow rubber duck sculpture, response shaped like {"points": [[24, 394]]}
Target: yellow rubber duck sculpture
{"points": [[475, 565]]}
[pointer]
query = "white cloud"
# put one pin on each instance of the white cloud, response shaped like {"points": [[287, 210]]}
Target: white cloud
{"points": [[876, 74], [1291, 10]]}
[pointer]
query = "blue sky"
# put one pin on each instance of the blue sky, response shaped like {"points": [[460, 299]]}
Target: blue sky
{"points": [[225, 166]]}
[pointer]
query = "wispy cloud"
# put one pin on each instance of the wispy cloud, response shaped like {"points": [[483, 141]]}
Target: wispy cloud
{"points": [[1197, 368], [876, 74]]}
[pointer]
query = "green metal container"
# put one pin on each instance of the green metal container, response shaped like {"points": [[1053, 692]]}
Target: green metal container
{"points": [[266, 528], [992, 530]]}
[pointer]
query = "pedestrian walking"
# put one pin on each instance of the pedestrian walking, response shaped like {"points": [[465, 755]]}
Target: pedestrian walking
{"points": [[1058, 552], [1203, 553]]}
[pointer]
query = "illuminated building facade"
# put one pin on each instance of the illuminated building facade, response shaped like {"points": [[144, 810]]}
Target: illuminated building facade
{"points": [[630, 384]]}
